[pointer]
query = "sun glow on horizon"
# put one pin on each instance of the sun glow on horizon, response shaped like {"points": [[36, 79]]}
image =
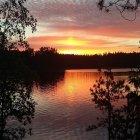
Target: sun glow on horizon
{"points": [[81, 52], [74, 43], [71, 41], [84, 46]]}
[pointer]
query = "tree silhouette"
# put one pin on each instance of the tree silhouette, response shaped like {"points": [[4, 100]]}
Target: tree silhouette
{"points": [[16, 103], [14, 19], [46, 51], [104, 92], [122, 6], [123, 122]]}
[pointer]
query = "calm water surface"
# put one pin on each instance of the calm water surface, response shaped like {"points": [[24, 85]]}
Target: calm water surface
{"points": [[65, 109]]}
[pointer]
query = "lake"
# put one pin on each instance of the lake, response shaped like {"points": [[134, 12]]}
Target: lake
{"points": [[65, 109]]}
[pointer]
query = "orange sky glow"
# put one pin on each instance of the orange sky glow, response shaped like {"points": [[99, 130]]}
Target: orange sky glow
{"points": [[75, 27]]}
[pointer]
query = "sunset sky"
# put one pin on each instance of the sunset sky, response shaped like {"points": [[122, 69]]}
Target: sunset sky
{"points": [[77, 26]]}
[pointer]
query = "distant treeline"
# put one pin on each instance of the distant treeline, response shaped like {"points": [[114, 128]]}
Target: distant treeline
{"points": [[47, 59]]}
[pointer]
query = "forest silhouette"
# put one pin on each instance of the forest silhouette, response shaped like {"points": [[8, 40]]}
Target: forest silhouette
{"points": [[48, 60]]}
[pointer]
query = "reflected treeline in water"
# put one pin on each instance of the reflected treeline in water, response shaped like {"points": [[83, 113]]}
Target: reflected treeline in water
{"points": [[120, 101], [49, 78], [17, 106]]}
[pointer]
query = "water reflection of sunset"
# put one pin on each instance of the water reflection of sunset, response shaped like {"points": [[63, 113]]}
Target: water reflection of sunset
{"points": [[72, 90], [66, 105], [75, 87]]}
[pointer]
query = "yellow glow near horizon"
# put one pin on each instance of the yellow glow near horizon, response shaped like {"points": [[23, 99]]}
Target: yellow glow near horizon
{"points": [[72, 42], [81, 52]]}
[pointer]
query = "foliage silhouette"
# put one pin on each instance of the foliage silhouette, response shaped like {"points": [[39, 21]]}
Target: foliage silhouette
{"points": [[46, 51], [16, 103], [122, 122], [49, 60], [122, 6], [14, 19]]}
